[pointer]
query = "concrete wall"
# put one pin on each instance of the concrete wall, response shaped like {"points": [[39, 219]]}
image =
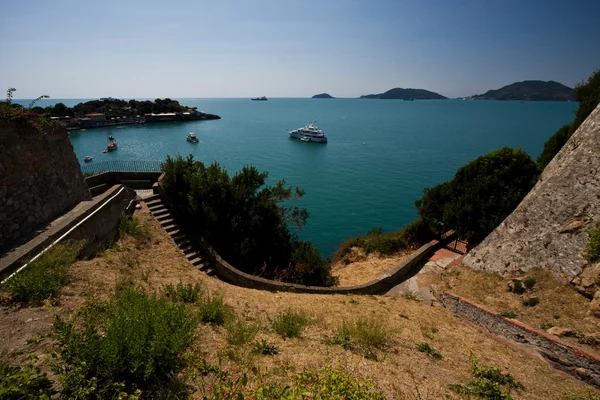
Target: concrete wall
{"points": [[135, 180], [40, 178], [97, 222], [570, 359]]}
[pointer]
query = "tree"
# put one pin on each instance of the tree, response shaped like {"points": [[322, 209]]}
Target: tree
{"points": [[481, 195]]}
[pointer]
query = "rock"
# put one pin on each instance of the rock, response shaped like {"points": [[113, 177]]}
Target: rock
{"points": [[588, 282], [573, 225], [595, 305], [558, 331]]}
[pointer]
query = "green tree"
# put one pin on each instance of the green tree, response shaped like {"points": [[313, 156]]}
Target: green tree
{"points": [[588, 96], [481, 195]]}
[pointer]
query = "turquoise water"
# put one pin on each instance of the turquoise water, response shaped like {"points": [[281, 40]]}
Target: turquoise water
{"points": [[350, 186]]}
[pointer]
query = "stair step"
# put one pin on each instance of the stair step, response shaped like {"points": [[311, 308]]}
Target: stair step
{"points": [[153, 202], [181, 239], [163, 216], [176, 232], [160, 212], [152, 197], [196, 261], [192, 254], [168, 221], [170, 228], [210, 272], [188, 250]]}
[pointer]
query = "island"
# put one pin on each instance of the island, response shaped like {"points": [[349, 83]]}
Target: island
{"points": [[406, 94], [110, 112], [323, 96], [529, 91]]}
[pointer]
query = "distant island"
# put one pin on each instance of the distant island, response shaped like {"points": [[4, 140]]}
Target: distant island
{"points": [[323, 96], [405, 94], [109, 112], [529, 91]]}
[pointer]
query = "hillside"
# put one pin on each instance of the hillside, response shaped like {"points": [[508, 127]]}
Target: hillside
{"points": [[405, 94], [529, 91], [323, 96]]}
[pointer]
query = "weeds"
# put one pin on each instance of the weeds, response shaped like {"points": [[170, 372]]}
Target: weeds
{"points": [[264, 348], [529, 283], [131, 342], [531, 301], [592, 248], [212, 310], [131, 226], [364, 335], [488, 383], [289, 323], [429, 331], [183, 293], [508, 314], [517, 287], [240, 332], [426, 348], [44, 277], [26, 382]]}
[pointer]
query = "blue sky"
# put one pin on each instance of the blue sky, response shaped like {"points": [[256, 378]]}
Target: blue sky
{"points": [[289, 48]]}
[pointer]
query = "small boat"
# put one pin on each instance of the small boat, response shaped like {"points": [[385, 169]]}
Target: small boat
{"points": [[262, 98], [120, 127], [112, 146], [309, 133], [87, 158], [82, 130], [191, 137]]}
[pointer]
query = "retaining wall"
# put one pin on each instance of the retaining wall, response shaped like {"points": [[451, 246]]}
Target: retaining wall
{"points": [[135, 180], [568, 358]]}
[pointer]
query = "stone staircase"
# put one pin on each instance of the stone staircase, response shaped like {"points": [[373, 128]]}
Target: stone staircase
{"points": [[164, 217]]}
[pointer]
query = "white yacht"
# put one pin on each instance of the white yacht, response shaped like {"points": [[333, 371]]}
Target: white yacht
{"points": [[191, 137], [309, 133]]}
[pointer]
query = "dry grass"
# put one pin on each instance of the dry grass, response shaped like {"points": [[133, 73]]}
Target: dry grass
{"points": [[560, 304], [365, 268], [400, 372]]}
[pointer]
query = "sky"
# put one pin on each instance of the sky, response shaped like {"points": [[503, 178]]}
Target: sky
{"points": [[289, 48]]}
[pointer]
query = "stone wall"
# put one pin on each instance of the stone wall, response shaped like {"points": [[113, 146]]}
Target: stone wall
{"points": [[40, 178], [549, 229], [563, 356]]}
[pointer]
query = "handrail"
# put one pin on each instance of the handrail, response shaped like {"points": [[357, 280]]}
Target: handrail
{"points": [[121, 166]]}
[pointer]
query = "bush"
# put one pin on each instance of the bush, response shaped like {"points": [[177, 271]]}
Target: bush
{"points": [[244, 219], [553, 145], [508, 314], [529, 283], [183, 293], [488, 383], [531, 301], [363, 334], [240, 332], [289, 323], [592, 248], [26, 382], [481, 195], [130, 342], [212, 310], [43, 278], [426, 348], [517, 287], [131, 226], [264, 348]]}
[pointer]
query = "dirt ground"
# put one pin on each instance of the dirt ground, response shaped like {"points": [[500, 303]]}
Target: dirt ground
{"points": [[366, 268], [400, 371]]}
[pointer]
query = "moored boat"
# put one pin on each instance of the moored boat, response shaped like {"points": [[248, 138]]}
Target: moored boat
{"points": [[87, 158], [191, 137], [262, 98], [309, 133]]}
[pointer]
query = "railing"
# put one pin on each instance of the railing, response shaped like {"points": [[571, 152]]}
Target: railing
{"points": [[120, 166]]}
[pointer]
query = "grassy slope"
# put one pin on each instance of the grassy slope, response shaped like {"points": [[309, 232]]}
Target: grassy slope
{"points": [[401, 368]]}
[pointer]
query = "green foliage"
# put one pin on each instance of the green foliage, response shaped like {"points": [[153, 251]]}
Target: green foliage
{"points": [[363, 334], [531, 301], [131, 226], [289, 323], [239, 331], [115, 108], [592, 248], [488, 383], [19, 114], [131, 342], [25, 382], [183, 293], [508, 314], [264, 348], [517, 287], [213, 310], [588, 96], [529, 283], [43, 278], [244, 219], [426, 348], [481, 195]]}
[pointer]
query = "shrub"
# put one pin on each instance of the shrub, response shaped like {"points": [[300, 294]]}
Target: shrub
{"points": [[488, 383], [289, 323], [508, 314], [130, 342], [308, 268], [240, 332], [592, 248], [529, 283], [26, 382], [364, 334], [426, 348], [43, 278], [517, 287], [481, 195], [212, 310], [131, 226], [531, 301], [264, 348], [183, 293]]}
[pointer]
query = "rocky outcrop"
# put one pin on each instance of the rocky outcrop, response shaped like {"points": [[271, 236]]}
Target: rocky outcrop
{"points": [[549, 228], [40, 178]]}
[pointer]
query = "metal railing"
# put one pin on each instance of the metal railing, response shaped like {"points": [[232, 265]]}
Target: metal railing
{"points": [[93, 168]]}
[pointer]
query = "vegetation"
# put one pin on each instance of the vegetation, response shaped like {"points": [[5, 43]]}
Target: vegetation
{"points": [[43, 278], [529, 283], [488, 383], [113, 108], [531, 301], [426, 348], [212, 310], [529, 90], [131, 226], [264, 348], [127, 344], [25, 382], [405, 94], [289, 323], [592, 248], [15, 112], [243, 219], [183, 293], [482, 193], [365, 335], [588, 96], [508, 314], [584, 395], [240, 332]]}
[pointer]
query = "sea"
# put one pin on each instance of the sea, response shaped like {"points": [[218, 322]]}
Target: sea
{"points": [[380, 156]]}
